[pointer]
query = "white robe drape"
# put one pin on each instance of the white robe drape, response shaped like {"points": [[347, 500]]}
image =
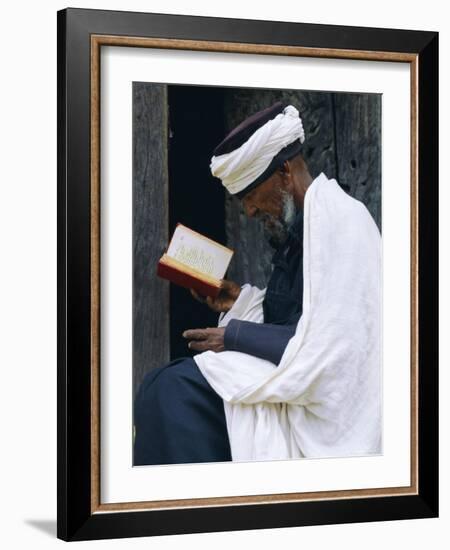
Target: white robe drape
{"points": [[324, 397]]}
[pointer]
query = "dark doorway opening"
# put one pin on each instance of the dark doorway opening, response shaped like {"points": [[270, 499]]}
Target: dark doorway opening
{"points": [[196, 198]]}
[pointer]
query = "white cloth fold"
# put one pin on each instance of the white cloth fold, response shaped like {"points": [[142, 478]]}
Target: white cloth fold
{"points": [[241, 167], [324, 397]]}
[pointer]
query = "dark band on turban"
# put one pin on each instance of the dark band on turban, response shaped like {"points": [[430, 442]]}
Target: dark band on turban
{"points": [[285, 154]]}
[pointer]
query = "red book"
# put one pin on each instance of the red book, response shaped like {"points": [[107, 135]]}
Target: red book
{"points": [[194, 261]]}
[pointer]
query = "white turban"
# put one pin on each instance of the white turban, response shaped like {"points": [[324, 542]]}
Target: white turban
{"points": [[242, 166]]}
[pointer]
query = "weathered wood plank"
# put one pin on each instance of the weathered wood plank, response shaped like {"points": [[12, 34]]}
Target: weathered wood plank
{"points": [[151, 342], [358, 147]]}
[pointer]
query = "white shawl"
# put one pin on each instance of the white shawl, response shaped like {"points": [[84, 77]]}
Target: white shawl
{"points": [[324, 397]]}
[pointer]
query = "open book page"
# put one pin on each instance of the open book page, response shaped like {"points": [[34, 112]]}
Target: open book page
{"points": [[198, 252]]}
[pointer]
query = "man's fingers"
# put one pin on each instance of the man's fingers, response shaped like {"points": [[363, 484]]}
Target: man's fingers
{"points": [[205, 339], [200, 345], [224, 283], [197, 296], [229, 286], [195, 334]]}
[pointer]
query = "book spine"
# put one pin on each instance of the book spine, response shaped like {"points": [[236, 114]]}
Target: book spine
{"points": [[187, 281]]}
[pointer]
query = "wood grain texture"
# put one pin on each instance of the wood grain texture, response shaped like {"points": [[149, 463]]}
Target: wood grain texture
{"points": [[358, 148], [243, 47], [151, 338]]}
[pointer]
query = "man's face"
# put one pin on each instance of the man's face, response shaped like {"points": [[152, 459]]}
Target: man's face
{"points": [[273, 204]]}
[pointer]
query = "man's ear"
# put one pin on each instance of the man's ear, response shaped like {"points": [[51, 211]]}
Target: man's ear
{"points": [[287, 167], [286, 173]]}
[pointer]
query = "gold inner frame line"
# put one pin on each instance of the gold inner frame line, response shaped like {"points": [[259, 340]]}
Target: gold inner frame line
{"points": [[268, 49]]}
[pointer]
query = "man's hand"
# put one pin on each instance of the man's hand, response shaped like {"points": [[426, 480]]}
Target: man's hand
{"points": [[229, 293], [203, 339]]}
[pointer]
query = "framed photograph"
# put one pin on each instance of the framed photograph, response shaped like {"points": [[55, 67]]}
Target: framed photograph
{"points": [[247, 274]]}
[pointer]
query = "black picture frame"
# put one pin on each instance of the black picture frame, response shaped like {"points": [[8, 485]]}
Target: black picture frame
{"points": [[79, 518]]}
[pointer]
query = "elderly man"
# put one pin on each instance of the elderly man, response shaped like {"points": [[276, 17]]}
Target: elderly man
{"points": [[178, 416], [291, 370]]}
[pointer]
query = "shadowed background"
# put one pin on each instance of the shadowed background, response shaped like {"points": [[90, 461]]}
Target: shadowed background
{"points": [[175, 129]]}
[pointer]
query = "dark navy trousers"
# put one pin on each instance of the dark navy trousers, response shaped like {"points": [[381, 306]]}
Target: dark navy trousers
{"points": [[178, 417]]}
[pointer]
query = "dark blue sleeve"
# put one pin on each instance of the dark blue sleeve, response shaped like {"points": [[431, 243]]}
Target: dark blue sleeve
{"points": [[264, 340]]}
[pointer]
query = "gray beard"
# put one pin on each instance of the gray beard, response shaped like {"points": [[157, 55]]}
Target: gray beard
{"points": [[276, 229]]}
